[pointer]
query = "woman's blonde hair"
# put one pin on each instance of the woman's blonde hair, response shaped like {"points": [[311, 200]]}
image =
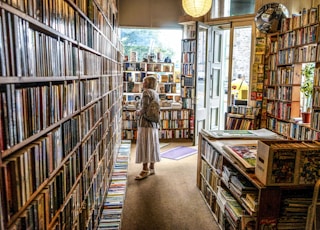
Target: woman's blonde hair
{"points": [[151, 82]]}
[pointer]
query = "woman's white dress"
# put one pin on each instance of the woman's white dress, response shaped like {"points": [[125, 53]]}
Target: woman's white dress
{"points": [[147, 145]]}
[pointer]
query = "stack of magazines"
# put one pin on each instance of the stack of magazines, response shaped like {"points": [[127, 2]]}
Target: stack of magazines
{"points": [[227, 172], [239, 186]]}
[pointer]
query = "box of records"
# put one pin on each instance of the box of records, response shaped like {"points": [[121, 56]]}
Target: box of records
{"points": [[288, 162]]}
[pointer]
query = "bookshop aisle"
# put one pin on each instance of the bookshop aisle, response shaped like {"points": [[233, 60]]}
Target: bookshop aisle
{"points": [[167, 200]]}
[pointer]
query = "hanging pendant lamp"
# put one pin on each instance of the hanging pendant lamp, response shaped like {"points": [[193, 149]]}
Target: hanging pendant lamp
{"points": [[196, 8]]}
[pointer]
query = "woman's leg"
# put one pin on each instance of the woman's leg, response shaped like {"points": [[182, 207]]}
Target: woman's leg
{"points": [[144, 173], [151, 168]]}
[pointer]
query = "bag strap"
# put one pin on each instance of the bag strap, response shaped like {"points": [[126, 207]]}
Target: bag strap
{"points": [[150, 94]]}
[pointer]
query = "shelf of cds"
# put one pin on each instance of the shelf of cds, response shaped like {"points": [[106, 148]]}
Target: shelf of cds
{"points": [[173, 119], [296, 44], [60, 109]]}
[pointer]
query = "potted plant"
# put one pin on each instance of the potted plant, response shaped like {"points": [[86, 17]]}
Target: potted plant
{"points": [[307, 89]]}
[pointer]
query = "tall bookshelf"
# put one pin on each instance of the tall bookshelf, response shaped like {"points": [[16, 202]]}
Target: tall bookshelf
{"points": [[315, 117], [294, 45], [60, 103], [188, 70]]}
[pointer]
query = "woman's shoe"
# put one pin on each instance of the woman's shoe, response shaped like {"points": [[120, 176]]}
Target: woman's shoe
{"points": [[143, 174], [152, 172]]}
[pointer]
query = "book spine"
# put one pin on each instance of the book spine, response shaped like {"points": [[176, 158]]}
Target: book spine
{"points": [[2, 124]]}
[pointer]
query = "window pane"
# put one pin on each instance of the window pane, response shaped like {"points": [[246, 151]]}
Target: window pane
{"points": [[146, 42], [241, 63], [227, 8], [201, 65]]}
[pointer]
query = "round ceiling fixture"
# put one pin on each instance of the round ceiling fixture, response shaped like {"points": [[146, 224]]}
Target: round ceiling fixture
{"points": [[269, 16], [196, 8]]}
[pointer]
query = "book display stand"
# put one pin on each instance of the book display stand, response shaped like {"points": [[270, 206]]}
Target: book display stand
{"points": [[257, 183]]}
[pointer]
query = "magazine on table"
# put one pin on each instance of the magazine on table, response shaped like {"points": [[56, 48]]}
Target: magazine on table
{"points": [[245, 134]]}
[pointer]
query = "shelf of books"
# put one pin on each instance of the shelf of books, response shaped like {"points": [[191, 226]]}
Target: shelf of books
{"points": [[257, 78], [315, 118], [173, 119], [242, 118], [174, 124], [168, 85], [188, 70], [240, 122], [288, 51], [60, 109], [237, 179]]}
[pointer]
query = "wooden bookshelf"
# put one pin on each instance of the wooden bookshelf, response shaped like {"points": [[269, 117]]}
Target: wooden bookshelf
{"points": [[189, 70], [257, 78], [315, 115], [60, 105], [287, 51]]}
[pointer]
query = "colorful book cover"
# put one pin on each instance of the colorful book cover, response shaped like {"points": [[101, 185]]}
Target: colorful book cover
{"points": [[245, 153], [309, 169], [283, 166]]}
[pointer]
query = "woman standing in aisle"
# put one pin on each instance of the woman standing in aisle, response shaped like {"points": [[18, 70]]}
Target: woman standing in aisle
{"points": [[148, 147]]}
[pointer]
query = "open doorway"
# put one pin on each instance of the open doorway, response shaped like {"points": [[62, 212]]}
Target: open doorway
{"points": [[229, 58]]}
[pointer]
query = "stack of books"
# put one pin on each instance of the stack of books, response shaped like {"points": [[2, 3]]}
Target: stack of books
{"points": [[111, 214], [250, 201], [240, 186], [234, 213], [294, 213], [227, 172]]}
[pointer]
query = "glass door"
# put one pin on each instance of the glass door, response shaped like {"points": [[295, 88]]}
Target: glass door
{"points": [[241, 64], [216, 84], [229, 58], [200, 80]]}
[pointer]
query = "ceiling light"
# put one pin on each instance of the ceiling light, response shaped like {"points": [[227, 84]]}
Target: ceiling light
{"points": [[196, 8]]}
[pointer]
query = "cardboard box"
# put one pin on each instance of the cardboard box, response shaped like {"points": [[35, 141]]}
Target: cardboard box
{"points": [[277, 162], [309, 164]]}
